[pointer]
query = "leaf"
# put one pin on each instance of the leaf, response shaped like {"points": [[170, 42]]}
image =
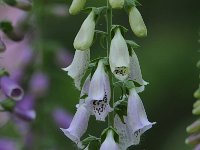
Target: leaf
{"points": [[6, 26], [132, 44]]}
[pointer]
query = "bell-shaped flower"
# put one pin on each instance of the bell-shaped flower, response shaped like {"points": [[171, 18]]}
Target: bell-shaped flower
{"points": [[99, 93], [135, 72], [78, 66], [116, 3], [84, 37], [78, 125], [136, 22], [119, 56], [11, 88], [136, 115], [109, 143], [76, 6]]}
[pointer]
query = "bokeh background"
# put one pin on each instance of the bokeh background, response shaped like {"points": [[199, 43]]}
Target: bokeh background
{"points": [[167, 57]]}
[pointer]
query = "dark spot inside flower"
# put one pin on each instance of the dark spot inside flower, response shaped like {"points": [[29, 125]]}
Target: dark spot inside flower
{"points": [[16, 92], [121, 70]]}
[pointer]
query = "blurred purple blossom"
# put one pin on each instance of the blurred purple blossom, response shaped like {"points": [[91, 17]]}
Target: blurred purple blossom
{"points": [[7, 144], [4, 118], [39, 84], [62, 118], [63, 58], [24, 109], [11, 89]]}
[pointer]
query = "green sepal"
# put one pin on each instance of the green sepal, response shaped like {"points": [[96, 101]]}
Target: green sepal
{"points": [[130, 3], [6, 26], [8, 104], [129, 84], [97, 11], [115, 27], [132, 44], [120, 108], [84, 96], [104, 134], [11, 2], [3, 72], [92, 141]]}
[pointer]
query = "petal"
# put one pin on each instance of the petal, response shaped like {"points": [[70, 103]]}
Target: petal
{"points": [[78, 125], [109, 142], [136, 115], [135, 72], [119, 56], [78, 66], [84, 37]]}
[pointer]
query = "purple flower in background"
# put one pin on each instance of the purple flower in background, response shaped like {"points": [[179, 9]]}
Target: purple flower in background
{"points": [[7, 144], [62, 118], [25, 108], [63, 58], [11, 89], [39, 84]]}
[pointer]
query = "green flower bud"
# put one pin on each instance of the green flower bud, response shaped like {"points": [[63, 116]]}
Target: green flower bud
{"points": [[136, 22], [196, 104], [84, 37], [116, 3], [196, 110], [76, 6], [194, 127], [193, 139], [197, 93]]}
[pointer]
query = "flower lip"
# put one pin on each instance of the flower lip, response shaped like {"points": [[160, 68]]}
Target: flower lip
{"points": [[70, 135]]}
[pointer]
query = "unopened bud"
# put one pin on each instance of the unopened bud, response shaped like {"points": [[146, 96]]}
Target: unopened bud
{"points": [[197, 93], [76, 6], [196, 104], [193, 139], [8, 104], [196, 110], [136, 22], [194, 127], [116, 3]]}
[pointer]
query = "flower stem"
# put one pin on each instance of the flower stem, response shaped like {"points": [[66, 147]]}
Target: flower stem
{"points": [[109, 26]]}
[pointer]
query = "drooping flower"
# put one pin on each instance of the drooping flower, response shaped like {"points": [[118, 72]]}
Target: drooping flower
{"points": [[119, 56], [84, 37], [99, 93], [135, 72], [78, 66], [76, 6], [78, 125], [109, 143], [116, 3], [11, 88], [24, 109], [136, 122], [136, 22]]}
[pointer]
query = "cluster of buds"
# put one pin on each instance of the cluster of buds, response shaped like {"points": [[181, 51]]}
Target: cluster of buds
{"points": [[127, 119], [194, 128]]}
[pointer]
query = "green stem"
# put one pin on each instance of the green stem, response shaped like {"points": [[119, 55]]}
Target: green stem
{"points": [[109, 26]]}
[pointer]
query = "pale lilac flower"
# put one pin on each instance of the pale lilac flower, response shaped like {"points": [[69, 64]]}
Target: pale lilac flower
{"points": [[99, 93], [25, 108], [39, 84], [109, 143], [78, 66], [136, 122], [135, 72], [62, 118], [7, 144], [197, 147], [63, 57], [119, 56], [84, 37], [78, 125], [11, 88]]}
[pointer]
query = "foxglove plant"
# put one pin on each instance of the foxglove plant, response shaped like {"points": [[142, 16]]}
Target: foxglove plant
{"points": [[127, 119], [194, 128]]}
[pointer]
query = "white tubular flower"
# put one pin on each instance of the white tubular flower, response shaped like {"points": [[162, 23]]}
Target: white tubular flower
{"points": [[99, 93], [136, 115], [119, 56], [136, 22], [78, 66], [84, 37], [76, 6], [78, 125], [116, 3], [135, 72], [109, 143]]}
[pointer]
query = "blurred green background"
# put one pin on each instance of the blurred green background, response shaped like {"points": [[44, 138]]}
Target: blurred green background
{"points": [[167, 57]]}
